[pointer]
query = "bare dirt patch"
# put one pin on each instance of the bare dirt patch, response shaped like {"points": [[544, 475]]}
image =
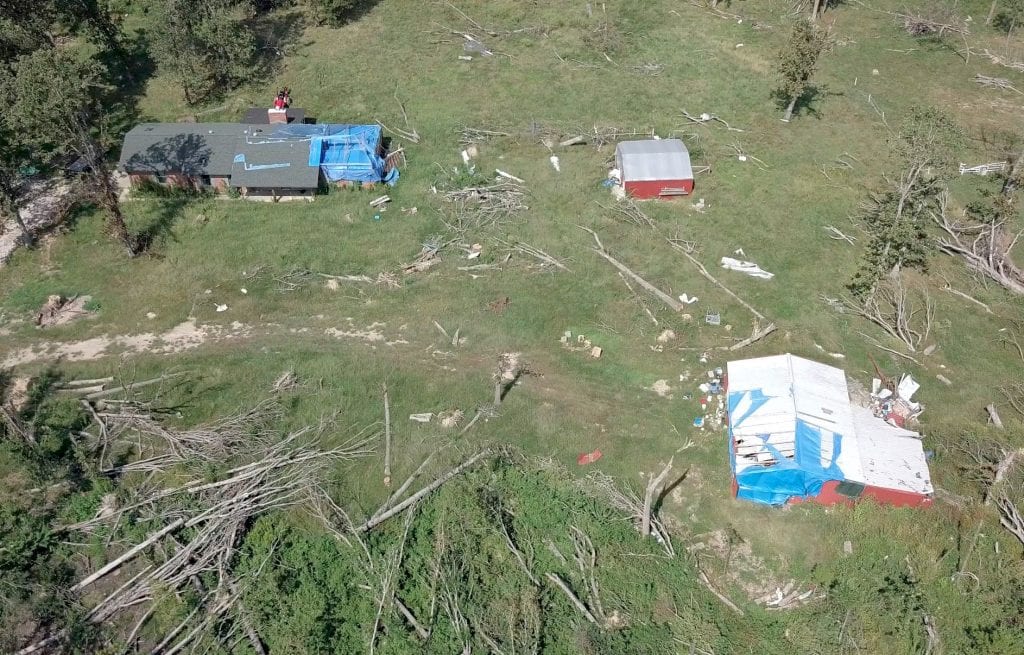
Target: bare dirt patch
{"points": [[750, 573], [58, 310]]}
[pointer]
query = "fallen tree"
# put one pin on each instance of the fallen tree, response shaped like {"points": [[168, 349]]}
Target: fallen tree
{"points": [[983, 241]]}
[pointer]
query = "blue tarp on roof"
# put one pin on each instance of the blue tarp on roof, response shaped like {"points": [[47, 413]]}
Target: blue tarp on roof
{"points": [[801, 476], [346, 152]]}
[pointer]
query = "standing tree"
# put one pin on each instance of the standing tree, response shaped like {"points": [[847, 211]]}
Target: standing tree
{"points": [[57, 110], [330, 12], [206, 44], [797, 63], [1008, 16]]}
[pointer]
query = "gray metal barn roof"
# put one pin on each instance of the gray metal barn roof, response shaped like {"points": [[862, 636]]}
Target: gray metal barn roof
{"points": [[187, 148], [262, 162], [653, 159]]}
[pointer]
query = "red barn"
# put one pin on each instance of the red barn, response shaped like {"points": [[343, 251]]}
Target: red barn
{"points": [[655, 168]]}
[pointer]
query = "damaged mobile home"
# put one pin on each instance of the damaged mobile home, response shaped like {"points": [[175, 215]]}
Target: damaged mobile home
{"points": [[796, 436]]}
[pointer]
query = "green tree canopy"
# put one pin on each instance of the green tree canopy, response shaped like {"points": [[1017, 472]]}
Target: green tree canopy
{"points": [[798, 60], [206, 44]]}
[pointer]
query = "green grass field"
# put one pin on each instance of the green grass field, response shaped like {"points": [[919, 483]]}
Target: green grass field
{"points": [[554, 77]]}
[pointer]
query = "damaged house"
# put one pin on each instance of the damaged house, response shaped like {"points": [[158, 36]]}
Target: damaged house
{"points": [[796, 436], [273, 160]]}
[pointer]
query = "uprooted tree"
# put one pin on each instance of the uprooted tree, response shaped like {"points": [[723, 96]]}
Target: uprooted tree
{"points": [[798, 60]]}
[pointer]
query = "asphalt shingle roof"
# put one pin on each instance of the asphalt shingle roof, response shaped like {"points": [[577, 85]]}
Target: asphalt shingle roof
{"points": [[187, 148], [273, 163]]}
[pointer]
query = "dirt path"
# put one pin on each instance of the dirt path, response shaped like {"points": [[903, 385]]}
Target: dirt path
{"points": [[181, 338]]}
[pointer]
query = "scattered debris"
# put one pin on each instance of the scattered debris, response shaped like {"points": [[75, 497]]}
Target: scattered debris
{"points": [[509, 176], [544, 258], [481, 206], [709, 118], [893, 402], [424, 417], [662, 388], [500, 305], [285, 382], [944, 380], [848, 547], [151, 315], [596, 351], [687, 300], [555, 164], [666, 336], [380, 202], [222, 308], [713, 318], [983, 169], [835, 233], [749, 268], [672, 303], [589, 458], [429, 255], [451, 418], [712, 401], [58, 310]]}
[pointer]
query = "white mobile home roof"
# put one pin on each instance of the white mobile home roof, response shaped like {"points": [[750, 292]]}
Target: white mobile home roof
{"points": [[652, 160], [772, 393]]}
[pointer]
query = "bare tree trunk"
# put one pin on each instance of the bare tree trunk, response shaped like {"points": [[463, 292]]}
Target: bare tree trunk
{"points": [[991, 12], [789, 110], [379, 518], [815, 9], [387, 438], [115, 225], [652, 488]]}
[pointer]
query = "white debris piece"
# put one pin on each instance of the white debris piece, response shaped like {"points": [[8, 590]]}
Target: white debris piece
{"points": [[421, 418], [244, 291], [685, 299], [222, 308], [750, 268], [554, 162], [908, 386]]}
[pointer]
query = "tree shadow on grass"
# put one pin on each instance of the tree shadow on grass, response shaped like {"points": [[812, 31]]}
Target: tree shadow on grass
{"points": [[160, 223], [808, 103], [129, 69], [277, 36]]}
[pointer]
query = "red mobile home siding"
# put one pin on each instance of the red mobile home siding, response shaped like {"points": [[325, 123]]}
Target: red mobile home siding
{"points": [[897, 498], [891, 497], [654, 188]]}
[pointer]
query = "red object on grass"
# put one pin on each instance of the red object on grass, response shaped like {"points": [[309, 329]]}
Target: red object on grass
{"points": [[589, 458]]}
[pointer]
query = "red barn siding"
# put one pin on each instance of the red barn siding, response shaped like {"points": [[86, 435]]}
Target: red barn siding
{"points": [[654, 188]]}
